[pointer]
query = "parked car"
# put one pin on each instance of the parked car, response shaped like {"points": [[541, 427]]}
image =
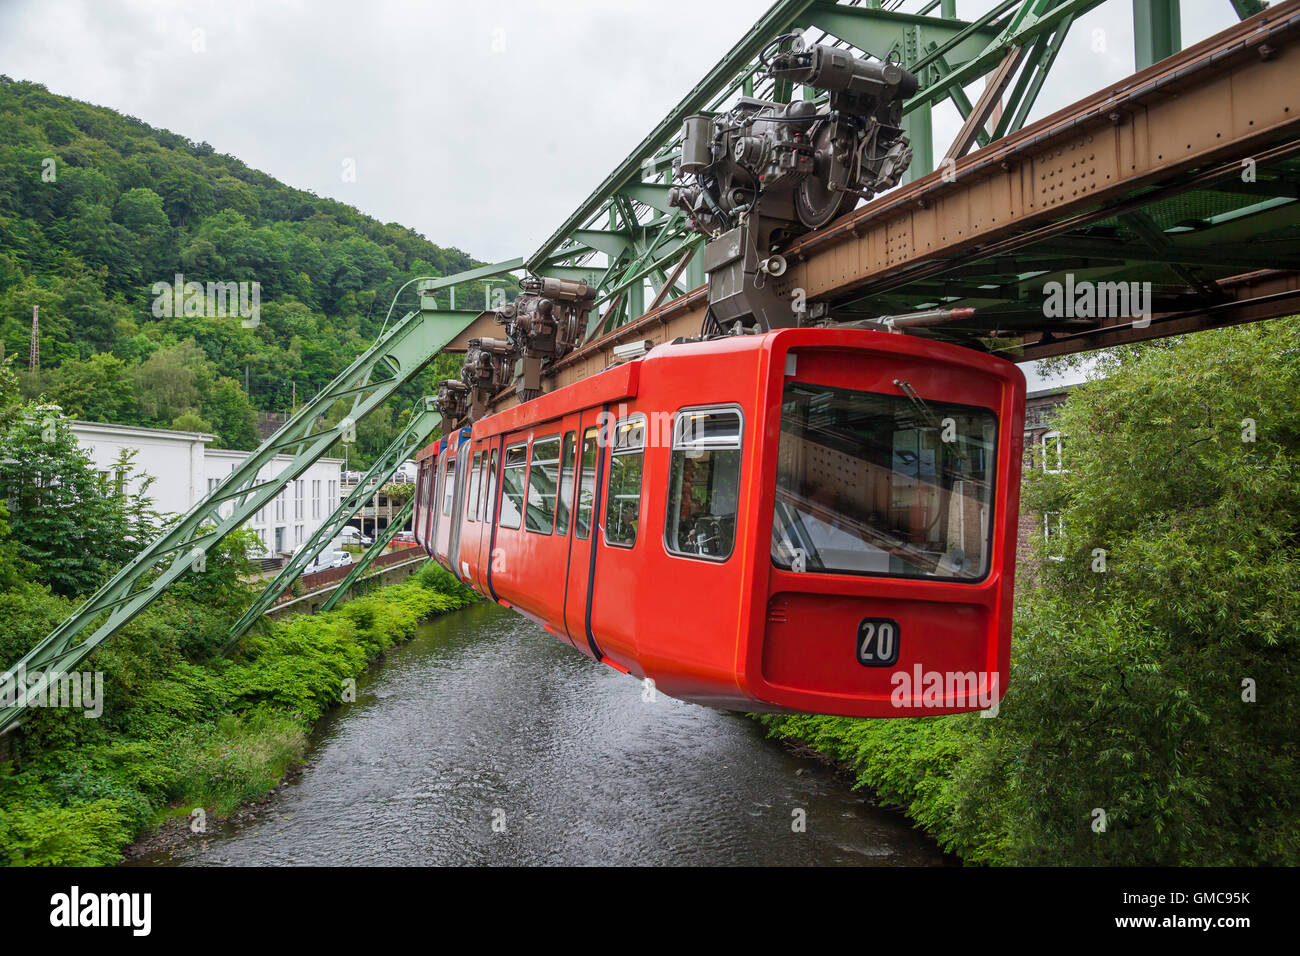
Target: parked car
{"points": [[404, 540], [353, 536], [327, 560]]}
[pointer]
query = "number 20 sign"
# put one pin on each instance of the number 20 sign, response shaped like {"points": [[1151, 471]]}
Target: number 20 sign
{"points": [[878, 642]]}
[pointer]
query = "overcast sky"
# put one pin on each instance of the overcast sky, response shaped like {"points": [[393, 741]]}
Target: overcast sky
{"points": [[481, 125]]}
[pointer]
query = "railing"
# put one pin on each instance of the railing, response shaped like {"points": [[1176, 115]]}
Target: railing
{"points": [[323, 579]]}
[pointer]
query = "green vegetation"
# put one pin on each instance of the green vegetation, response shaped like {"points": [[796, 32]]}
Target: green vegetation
{"points": [[97, 207], [181, 726], [182, 729], [1163, 690]]}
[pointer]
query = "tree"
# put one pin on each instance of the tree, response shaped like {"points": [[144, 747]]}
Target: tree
{"points": [[165, 382], [1155, 672], [98, 389], [71, 525], [140, 212], [11, 566]]}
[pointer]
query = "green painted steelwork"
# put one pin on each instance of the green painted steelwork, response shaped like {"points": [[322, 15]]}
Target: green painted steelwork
{"points": [[1157, 31], [375, 550], [624, 236], [423, 421], [400, 352]]}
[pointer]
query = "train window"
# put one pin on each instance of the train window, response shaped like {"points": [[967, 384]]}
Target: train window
{"points": [[704, 483], [587, 482], [513, 478], [434, 491], [623, 494], [471, 488], [883, 485], [568, 458], [449, 485], [490, 480], [543, 480]]}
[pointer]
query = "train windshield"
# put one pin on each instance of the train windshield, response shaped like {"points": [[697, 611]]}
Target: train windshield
{"points": [[883, 485]]}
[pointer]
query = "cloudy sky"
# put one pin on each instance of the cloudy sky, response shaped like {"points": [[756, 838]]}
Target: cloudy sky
{"points": [[481, 125]]}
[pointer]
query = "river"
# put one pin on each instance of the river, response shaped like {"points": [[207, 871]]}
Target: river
{"points": [[483, 740]]}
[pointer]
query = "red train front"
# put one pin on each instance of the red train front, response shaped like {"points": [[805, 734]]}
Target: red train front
{"points": [[807, 520]]}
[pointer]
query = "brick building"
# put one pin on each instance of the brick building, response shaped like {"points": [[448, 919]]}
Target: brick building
{"points": [[1045, 450]]}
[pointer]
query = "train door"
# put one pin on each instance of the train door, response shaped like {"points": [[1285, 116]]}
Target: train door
{"points": [[487, 541], [456, 518], [694, 529], [620, 540], [471, 519], [435, 497], [447, 494], [588, 469]]}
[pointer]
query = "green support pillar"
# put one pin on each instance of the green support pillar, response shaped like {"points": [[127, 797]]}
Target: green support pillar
{"points": [[917, 124], [401, 351], [920, 132], [1157, 31], [374, 551], [423, 421]]}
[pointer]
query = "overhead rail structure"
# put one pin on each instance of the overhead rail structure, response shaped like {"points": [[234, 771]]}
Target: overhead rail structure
{"points": [[423, 421], [1183, 176], [382, 540]]}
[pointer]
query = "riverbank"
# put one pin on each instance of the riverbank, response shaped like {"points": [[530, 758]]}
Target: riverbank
{"points": [[177, 735], [485, 741]]}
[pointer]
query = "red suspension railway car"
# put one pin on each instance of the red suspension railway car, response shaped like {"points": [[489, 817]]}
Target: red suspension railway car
{"points": [[806, 520]]}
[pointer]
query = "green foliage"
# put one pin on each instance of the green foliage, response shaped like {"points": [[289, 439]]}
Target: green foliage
{"points": [[1131, 688], [68, 523], [180, 727], [130, 207]]}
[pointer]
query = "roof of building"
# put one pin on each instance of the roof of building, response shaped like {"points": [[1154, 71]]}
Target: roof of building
{"points": [[140, 431]]}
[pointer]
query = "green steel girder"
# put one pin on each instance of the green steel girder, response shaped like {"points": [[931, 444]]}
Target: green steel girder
{"points": [[400, 352], [1033, 18], [375, 550], [878, 31], [1157, 31], [416, 433], [605, 241]]}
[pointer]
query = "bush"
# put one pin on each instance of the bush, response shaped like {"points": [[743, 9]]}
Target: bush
{"points": [[206, 732], [1163, 691]]}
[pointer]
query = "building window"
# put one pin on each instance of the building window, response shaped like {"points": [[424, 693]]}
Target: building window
{"points": [[1053, 453], [279, 507], [333, 495], [623, 493], [297, 499], [315, 499], [543, 479], [297, 534], [704, 483], [1053, 528]]}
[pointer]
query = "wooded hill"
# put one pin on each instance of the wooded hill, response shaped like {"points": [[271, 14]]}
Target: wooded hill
{"points": [[96, 207]]}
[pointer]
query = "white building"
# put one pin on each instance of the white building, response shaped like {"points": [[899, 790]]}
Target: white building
{"points": [[186, 471], [293, 516], [174, 459]]}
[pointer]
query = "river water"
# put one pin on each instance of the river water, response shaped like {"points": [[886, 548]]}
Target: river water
{"points": [[485, 741]]}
